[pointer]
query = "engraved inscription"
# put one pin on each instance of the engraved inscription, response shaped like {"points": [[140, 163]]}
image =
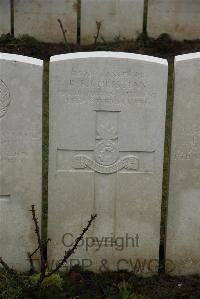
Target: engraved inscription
{"points": [[120, 87], [15, 147], [181, 155], [4, 98], [82, 162], [95, 100], [190, 149]]}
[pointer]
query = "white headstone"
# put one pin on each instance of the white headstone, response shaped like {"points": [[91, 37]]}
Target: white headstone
{"points": [[5, 17], [107, 119], [39, 18], [119, 19], [20, 156], [178, 18], [183, 241]]}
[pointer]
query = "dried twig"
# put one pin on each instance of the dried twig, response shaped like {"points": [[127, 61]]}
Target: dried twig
{"points": [[5, 266], [98, 24], [40, 244], [64, 33], [34, 252], [32, 268], [72, 250], [30, 255]]}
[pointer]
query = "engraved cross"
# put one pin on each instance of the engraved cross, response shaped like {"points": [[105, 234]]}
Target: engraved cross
{"points": [[105, 161], [4, 197]]}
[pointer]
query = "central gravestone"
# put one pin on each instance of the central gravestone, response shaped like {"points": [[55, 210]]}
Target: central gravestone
{"points": [[107, 119]]}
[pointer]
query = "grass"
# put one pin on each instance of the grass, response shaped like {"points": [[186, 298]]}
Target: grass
{"points": [[87, 285], [165, 187], [14, 285], [45, 152]]}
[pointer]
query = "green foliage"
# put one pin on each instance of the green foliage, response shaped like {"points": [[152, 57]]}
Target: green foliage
{"points": [[13, 285], [22, 286], [28, 41], [126, 292], [6, 38], [138, 296], [53, 281]]}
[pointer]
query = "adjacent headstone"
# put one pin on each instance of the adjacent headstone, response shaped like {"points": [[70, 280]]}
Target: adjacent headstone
{"points": [[20, 156], [39, 18], [110, 20], [5, 17], [178, 18], [107, 120], [183, 241]]}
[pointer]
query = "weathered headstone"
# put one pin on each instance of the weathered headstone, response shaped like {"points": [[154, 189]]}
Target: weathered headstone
{"points": [[178, 18], [5, 17], [20, 156], [107, 119], [183, 241], [117, 19], [39, 18]]}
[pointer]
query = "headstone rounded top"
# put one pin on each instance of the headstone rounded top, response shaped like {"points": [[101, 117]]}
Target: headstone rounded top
{"points": [[189, 56], [21, 58], [107, 122], [108, 54]]}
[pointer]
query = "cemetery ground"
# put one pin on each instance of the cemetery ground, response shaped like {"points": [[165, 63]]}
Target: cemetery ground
{"points": [[83, 284]]}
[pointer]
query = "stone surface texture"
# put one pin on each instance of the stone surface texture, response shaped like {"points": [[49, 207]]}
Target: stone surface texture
{"points": [[120, 19], [20, 156], [39, 18], [5, 17], [178, 18], [183, 241], [107, 120]]}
